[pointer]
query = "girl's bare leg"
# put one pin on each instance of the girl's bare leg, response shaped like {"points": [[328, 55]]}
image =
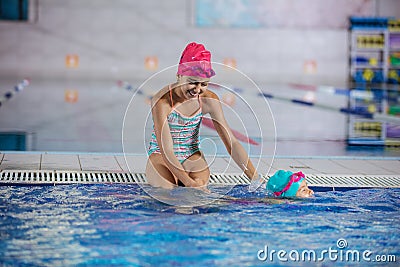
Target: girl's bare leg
{"points": [[197, 168], [158, 174]]}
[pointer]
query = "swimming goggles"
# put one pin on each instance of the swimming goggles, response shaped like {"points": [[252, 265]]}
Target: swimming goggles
{"points": [[294, 178]]}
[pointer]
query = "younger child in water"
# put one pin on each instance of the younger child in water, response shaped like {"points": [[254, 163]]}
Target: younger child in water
{"points": [[289, 184]]}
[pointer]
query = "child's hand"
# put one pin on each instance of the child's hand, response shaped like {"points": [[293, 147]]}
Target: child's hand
{"points": [[197, 186], [256, 183], [204, 189]]}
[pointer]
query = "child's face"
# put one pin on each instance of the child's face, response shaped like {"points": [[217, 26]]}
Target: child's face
{"points": [[193, 86], [304, 191]]}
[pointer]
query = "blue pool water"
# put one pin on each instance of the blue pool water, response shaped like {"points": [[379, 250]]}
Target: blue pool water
{"points": [[119, 225]]}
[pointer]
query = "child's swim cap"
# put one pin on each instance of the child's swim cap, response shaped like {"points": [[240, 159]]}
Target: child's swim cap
{"points": [[195, 61], [285, 183]]}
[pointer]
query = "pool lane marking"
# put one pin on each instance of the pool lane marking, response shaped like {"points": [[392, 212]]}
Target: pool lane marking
{"points": [[349, 111], [241, 137], [320, 89], [331, 90], [17, 88]]}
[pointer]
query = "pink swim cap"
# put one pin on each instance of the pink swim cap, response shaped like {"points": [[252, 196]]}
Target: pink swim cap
{"points": [[195, 61]]}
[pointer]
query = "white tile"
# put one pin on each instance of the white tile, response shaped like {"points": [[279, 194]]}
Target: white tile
{"points": [[324, 166], [98, 163], [358, 166], [20, 162], [290, 164], [136, 164], [264, 165], [65, 162], [391, 166], [222, 165], [284, 163]]}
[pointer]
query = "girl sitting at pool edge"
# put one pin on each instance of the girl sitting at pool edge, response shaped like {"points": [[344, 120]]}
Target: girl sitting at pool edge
{"points": [[177, 109]]}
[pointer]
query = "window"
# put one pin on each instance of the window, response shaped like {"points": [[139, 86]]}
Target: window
{"points": [[14, 10]]}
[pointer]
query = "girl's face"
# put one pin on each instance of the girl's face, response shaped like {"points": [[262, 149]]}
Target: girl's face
{"points": [[304, 191], [192, 87]]}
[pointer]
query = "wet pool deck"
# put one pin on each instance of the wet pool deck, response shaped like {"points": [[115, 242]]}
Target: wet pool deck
{"points": [[117, 163], [364, 167]]}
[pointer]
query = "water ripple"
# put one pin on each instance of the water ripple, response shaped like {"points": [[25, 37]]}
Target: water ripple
{"points": [[77, 225]]}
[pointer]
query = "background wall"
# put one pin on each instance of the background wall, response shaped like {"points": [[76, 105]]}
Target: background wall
{"points": [[87, 46], [113, 39]]}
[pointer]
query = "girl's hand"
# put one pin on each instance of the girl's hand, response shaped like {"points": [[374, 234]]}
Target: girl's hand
{"points": [[204, 189], [256, 183], [197, 186]]}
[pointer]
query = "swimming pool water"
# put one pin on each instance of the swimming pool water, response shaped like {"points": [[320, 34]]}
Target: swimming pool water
{"points": [[119, 225]]}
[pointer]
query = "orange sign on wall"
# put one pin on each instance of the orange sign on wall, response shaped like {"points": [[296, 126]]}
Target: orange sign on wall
{"points": [[71, 96], [71, 61], [230, 62], [229, 99], [310, 67], [151, 63]]}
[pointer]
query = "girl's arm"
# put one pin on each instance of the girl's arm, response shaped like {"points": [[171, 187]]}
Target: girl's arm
{"points": [[233, 146], [160, 111]]}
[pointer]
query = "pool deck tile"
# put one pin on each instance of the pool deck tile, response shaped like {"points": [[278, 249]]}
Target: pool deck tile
{"points": [[68, 162], [222, 165], [136, 163], [392, 166], [116, 163], [290, 164], [99, 163], [264, 165], [366, 167], [19, 161], [323, 166]]}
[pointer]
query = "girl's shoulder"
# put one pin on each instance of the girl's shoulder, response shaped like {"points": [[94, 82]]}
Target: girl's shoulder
{"points": [[209, 95], [161, 103], [162, 93], [161, 97], [210, 101]]}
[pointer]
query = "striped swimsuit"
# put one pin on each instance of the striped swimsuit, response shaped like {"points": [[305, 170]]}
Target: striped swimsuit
{"points": [[184, 131]]}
